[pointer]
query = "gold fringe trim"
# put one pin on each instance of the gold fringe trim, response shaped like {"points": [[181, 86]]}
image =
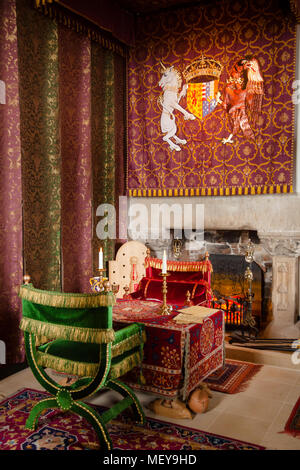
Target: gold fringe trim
{"points": [[84, 369], [128, 343], [226, 191], [64, 300], [117, 370], [177, 266], [40, 340], [67, 332]]}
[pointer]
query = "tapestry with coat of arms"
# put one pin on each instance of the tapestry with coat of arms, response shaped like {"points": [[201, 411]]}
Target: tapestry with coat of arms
{"points": [[211, 101]]}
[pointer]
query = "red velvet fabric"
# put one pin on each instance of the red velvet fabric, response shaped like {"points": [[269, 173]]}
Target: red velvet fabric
{"points": [[176, 295], [183, 277]]}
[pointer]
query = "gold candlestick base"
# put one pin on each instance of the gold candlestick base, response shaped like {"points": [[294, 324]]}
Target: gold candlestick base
{"points": [[102, 277], [165, 309], [97, 283]]}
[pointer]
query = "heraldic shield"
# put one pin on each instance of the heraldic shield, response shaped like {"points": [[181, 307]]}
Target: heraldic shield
{"points": [[202, 77]]}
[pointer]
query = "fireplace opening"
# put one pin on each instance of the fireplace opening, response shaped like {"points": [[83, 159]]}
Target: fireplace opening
{"points": [[230, 288]]}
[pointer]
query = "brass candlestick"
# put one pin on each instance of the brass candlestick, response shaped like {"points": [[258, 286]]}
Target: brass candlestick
{"points": [[165, 309], [102, 278]]}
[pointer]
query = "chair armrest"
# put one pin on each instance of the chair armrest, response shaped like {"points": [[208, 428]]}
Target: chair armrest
{"points": [[133, 329]]}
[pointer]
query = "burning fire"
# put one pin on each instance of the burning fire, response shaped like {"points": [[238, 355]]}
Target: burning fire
{"points": [[233, 309]]}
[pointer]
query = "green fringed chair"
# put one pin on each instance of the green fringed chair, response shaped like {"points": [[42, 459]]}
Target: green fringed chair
{"points": [[73, 333]]}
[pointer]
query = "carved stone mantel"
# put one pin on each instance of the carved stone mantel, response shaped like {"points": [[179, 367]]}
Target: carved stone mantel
{"points": [[287, 243], [285, 251]]}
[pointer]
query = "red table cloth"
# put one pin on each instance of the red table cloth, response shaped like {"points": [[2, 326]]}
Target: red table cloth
{"points": [[177, 357]]}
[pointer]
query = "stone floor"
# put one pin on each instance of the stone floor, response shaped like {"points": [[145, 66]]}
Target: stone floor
{"points": [[256, 415]]}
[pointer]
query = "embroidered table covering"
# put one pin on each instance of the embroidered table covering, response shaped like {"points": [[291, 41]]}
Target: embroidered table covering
{"points": [[177, 357]]}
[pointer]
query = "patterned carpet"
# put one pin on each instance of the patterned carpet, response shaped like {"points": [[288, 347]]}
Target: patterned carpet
{"points": [[67, 431], [234, 377]]}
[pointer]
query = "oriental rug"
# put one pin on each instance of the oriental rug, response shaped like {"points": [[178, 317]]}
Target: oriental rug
{"points": [[292, 426], [234, 377], [66, 431]]}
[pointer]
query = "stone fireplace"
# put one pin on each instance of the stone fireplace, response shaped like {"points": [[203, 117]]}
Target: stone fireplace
{"points": [[275, 294], [273, 225]]}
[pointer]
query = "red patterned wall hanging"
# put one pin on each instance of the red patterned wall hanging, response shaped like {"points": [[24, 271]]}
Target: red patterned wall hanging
{"points": [[210, 101]]}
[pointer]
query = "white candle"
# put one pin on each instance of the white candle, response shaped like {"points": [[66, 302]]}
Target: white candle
{"points": [[164, 263], [100, 259]]}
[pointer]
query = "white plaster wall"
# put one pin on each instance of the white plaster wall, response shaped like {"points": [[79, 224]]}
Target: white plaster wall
{"points": [[265, 213]]}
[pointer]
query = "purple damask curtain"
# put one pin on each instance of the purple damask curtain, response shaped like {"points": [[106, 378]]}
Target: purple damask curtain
{"points": [[11, 267], [76, 169]]}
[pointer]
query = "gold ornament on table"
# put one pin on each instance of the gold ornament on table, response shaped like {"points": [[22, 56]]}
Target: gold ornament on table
{"points": [[188, 302], [126, 295], [115, 288], [26, 279], [107, 286]]}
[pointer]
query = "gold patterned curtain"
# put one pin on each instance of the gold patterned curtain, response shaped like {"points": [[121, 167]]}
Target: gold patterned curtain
{"points": [[39, 126], [11, 264]]}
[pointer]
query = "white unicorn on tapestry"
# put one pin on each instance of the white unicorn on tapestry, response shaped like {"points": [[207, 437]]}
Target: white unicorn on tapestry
{"points": [[171, 82]]}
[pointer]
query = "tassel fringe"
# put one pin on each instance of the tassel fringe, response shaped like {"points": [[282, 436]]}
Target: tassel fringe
{"points": [[177, 266], [64, 300], [128, 343], [84, 369], [71, 333], [81, 369]]}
